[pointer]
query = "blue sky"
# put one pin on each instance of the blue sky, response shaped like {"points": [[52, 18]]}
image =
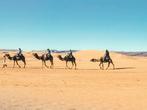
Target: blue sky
{"points": [[74, 24]]}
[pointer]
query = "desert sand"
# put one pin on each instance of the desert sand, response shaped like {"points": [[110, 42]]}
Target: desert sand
{"points": [[87, 88]]}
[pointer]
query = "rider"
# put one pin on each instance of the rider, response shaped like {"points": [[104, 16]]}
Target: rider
{"points": [[106, 56], [70, 55], [19, 52], [48, 52]]}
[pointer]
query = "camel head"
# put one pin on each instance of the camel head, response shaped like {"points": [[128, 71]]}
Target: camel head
{"points": [[7, 55], [60, 57], [36, 56], [94, 60]]}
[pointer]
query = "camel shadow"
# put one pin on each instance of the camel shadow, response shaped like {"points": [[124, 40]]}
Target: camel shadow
{"points": [[123, 68], [120, 68], [83, 69]]}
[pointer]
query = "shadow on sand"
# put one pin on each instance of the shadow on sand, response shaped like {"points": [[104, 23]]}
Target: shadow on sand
{"points": [[61, 68], [122, 68]]}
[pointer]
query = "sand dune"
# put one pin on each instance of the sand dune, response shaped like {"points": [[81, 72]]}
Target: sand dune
{"points": [[87, 88]]}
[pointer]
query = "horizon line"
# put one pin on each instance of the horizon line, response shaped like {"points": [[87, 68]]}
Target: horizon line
{"points": [[29, 50]]}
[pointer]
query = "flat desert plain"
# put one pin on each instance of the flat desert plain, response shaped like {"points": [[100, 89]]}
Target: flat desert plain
{"points": [[87, 88]]}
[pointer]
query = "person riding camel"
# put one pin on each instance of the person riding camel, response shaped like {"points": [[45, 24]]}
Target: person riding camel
{"points": [[70, 55], [19, 52], [48, 52], [106, 56]]}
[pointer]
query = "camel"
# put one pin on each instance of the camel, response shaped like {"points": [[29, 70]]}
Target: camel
{"points": [[44, 58], [16, 58], [102, 61], [68, 59]]}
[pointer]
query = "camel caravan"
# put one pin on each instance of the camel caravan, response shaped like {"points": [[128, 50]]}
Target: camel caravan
{"points": [[48, 57]]}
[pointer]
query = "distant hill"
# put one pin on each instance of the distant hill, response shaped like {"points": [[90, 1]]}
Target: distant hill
{"points": [[54, 51], [8, 50], [143, 54]]}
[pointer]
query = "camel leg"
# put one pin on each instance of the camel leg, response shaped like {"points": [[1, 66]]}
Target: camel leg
{"points": [[100, 65], [67, 65], [52, 64], [14, 64], [45, 64], [42, 64], [72, 65], [24, 63], [18, 64], [108, 65], [113, 64], [75, 65]]}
